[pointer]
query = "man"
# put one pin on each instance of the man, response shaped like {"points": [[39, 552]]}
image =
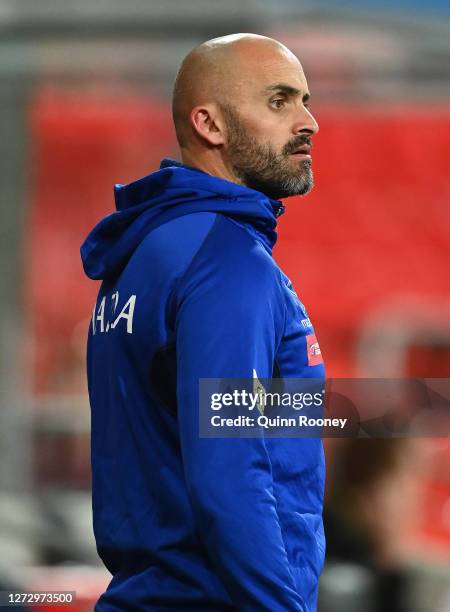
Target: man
{"points": [[190, 290]]}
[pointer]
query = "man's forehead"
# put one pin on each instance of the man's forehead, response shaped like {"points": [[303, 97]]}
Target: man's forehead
{"points": [[293, 79], [266, 72], [291, 83]]}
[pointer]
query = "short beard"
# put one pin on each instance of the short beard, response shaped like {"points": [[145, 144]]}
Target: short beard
{"points": [[259, 167]]}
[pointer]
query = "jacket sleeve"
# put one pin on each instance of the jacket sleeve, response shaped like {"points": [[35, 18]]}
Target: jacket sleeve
{"points": [[230, 317]]}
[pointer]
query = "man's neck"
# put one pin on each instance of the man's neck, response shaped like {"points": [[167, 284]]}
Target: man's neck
{"points": [[212, 165]]}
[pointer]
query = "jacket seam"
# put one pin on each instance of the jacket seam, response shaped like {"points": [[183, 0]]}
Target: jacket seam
{"points": [[191, 262], [285, 309]]}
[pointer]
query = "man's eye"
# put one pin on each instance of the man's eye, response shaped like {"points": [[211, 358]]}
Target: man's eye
{"points": [[277, 103]]}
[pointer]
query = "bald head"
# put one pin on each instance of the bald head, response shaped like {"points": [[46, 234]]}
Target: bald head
{"points": [[215, 71]]}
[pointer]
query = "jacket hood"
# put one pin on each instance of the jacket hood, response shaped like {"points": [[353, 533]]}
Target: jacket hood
{"points": [[171, 192]]}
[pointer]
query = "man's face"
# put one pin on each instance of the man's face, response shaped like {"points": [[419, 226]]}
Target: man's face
{"points": [[269, 130]]}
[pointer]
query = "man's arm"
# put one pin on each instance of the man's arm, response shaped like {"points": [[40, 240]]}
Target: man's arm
{"points": [[229, 320]]}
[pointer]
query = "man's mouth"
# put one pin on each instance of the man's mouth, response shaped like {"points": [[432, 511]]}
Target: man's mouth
{"points": [[302, 152]]}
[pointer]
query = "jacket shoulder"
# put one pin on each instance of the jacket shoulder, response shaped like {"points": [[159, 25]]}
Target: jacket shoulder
{"points": [[169, 248], [231, 259]]}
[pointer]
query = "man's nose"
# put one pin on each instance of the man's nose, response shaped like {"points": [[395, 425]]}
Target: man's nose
{"points": [[306, 123]]}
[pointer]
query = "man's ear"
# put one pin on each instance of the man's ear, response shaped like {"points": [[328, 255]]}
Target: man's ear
{"points": [[207, 123]]}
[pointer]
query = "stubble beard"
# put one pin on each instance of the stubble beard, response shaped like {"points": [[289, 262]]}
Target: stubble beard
{"points": [[259, 167]]}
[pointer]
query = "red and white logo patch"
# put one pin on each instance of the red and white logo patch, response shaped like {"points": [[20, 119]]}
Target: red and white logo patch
{"points": [[313, 350]]}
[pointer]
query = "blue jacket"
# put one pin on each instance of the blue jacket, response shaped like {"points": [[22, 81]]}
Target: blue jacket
{"points": [[190, 290]]}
